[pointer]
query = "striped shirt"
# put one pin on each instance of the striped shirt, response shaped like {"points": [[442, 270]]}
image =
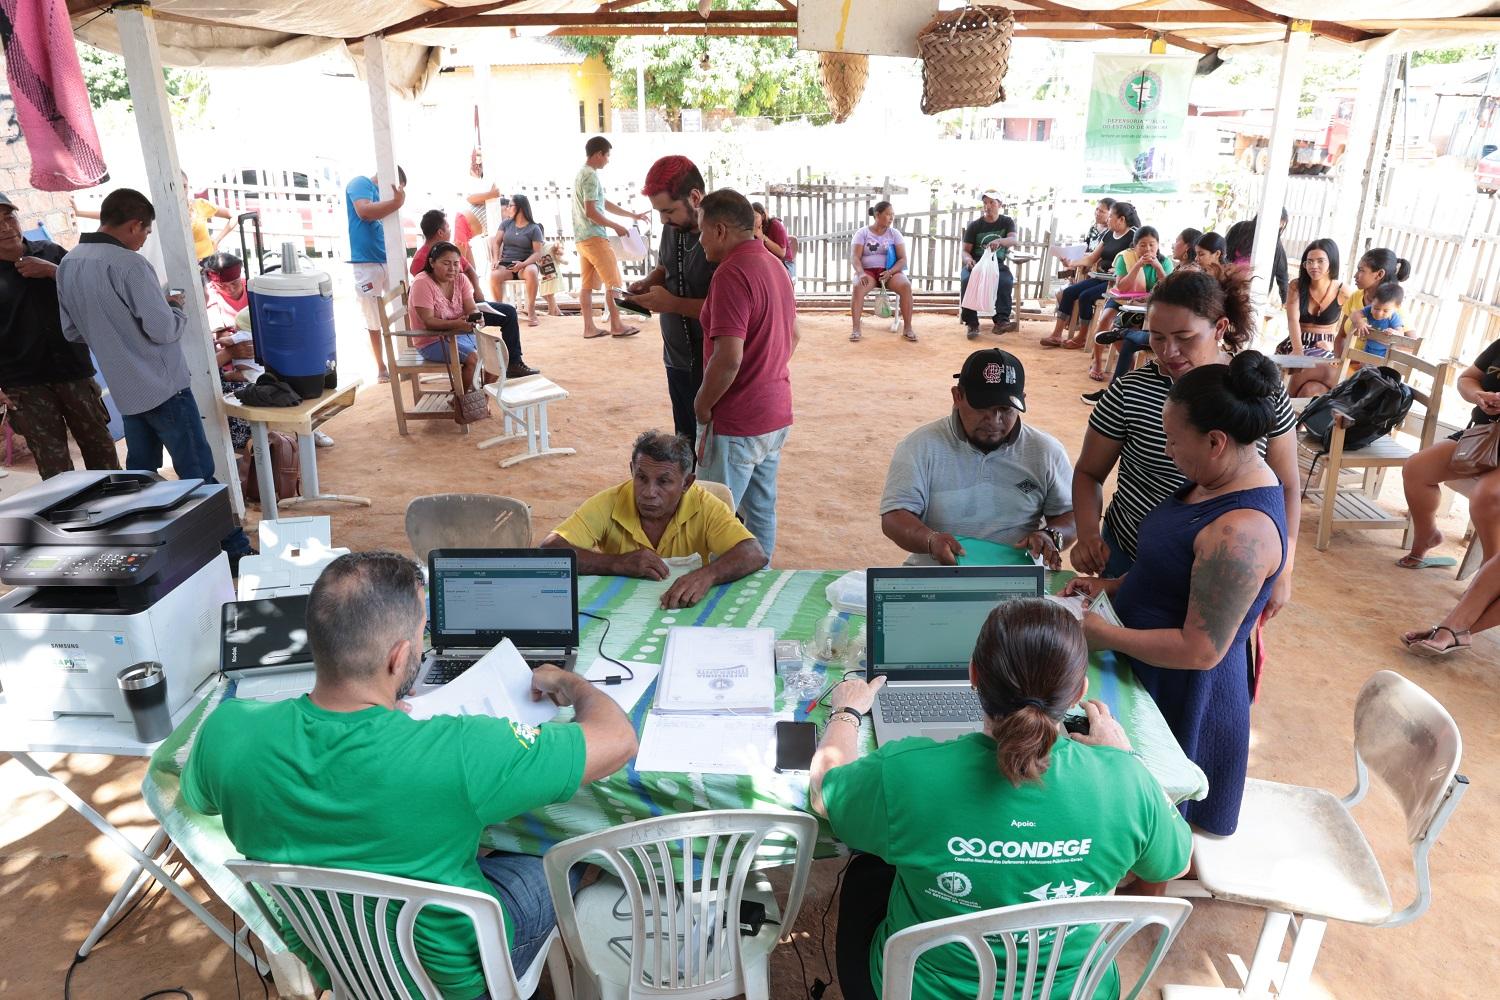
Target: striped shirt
{"points": [[109, 298], [1130, 412]]}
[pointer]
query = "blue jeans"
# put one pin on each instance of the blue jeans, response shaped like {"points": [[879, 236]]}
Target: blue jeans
{"points": [[1086, 293], [176, 426], [1002, 297], [1134, 340], [522, 884], [747, 465], [438, 349]]}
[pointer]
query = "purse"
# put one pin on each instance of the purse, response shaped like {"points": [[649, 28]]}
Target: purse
{"points": [[471, 407], [1478, 451]]}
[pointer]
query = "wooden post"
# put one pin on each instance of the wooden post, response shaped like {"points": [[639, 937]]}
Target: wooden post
{"points": [[153, 120], [385, 153], [1273, 192], [1358, 168], [640, 94]]}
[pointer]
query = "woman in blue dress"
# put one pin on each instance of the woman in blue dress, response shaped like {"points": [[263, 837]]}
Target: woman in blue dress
{"points": [[1208, 559]]}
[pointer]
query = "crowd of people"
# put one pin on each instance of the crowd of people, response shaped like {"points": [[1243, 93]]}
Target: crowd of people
{"points": [[1199, 438]]}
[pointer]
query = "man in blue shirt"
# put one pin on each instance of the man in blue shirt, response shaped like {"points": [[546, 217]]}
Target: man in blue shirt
{"points": [[367, 251]]}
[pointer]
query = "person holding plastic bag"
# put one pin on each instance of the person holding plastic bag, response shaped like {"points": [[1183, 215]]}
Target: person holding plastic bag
{"points": [[879, 256], [990, 236]]}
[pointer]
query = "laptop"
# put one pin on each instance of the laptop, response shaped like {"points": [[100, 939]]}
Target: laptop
{"points": [[922, 622], [263, 647], [478, 597]]}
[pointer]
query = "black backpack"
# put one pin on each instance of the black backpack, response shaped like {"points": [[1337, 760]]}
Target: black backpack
{"points": [[1374, 398]]}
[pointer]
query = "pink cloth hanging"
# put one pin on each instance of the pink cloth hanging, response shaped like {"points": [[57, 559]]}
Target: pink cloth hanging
{"points": [[52, 101]]}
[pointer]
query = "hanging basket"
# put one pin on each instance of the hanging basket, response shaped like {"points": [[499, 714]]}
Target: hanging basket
{"points": [[964, 56], [844, 75]]}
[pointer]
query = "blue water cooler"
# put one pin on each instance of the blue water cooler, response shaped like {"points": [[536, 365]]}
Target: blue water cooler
{"points": [[291, 317]]}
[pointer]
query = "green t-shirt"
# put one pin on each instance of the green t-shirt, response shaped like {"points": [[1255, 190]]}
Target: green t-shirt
{"points": [[587, 190], [962, 839], [378, 791], [981, 231], [1151, 274]]}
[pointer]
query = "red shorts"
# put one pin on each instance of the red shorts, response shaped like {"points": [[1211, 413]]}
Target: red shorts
{"points": [[875, 273]]}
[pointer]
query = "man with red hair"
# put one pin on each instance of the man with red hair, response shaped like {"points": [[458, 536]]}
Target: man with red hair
{"points": [[676, 288]]}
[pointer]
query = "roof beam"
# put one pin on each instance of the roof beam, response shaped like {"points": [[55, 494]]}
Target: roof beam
{"points": [[1329, 29], [1063, 15], [682, 31], [445, 16], [1171, 39], [625, 18]]}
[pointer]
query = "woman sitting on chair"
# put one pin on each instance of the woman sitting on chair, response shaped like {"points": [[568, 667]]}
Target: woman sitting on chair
{"points": [[1086, 293], [1136, 272], [926, 815], [442, 300], [880, 259], [517, 250], [1314, 305]]}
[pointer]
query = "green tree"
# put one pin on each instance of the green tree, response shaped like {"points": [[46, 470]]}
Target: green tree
{"points": [[104, 75], [1425, 56], [749, 76]]}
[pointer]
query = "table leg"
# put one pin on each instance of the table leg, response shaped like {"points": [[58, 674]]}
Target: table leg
{"points": [[144, 862], [128, 888], [264, 470], [307, 451]]}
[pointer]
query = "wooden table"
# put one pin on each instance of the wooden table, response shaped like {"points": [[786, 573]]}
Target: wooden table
{"points": [[300, 420]]}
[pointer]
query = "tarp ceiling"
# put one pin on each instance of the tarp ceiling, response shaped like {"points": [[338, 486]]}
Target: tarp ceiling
{"points": [[269, 32]]}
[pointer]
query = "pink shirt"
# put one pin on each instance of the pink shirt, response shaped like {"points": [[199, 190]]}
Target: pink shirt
{"points": [[750, 298], [426, 293]]}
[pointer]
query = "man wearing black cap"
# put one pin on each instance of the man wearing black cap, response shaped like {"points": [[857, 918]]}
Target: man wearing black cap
{"points": [[46, 382], [981, 473]]}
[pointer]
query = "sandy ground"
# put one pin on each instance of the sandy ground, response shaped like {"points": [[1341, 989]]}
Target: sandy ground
{"points": [[853, 403]]}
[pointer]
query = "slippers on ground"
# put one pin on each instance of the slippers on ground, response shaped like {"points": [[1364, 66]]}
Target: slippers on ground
{"points": [[629, 331], [1097, 375], [854, 335], [1073, 345], [595, 335], [1425, 562], [383, 378], [1050, 342], [910, 335], [1425, 647]]}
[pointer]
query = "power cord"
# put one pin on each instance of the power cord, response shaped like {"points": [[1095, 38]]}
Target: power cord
{"points": [[819, 986], [613, 679], [78, 959]]}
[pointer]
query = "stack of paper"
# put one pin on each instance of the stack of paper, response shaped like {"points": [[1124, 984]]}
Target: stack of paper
{"points": [[1080, 605], [718, 670], [499, 684]]}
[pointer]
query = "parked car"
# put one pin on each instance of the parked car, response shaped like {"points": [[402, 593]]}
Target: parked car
{"points": [[1487, 174]]}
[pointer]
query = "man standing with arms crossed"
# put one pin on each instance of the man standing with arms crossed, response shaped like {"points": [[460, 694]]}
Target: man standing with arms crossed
{"points": [[367, 251], [744, 407], [675, 290], [597, 265]]}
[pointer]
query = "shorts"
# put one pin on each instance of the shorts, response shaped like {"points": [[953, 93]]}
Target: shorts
{"points": [[875, 273], [370, 283], [438, 349], [597, 264]]}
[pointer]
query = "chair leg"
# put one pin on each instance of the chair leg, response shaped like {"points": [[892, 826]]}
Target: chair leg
{"points": [[400, 406], [557, 971], [1308, 940], [1267, 954]]}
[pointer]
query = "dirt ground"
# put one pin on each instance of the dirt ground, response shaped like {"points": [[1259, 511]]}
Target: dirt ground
{"points": [[853, 403]]}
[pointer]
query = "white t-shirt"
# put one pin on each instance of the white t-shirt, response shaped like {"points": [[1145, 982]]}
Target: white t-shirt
{"points": [[873, 246]]}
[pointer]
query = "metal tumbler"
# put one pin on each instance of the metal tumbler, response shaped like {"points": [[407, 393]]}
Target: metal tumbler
{"points": [[145, 688]]}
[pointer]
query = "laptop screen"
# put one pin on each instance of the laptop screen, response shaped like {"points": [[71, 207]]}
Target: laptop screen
{"points": [[479, 596], [923, 620]]}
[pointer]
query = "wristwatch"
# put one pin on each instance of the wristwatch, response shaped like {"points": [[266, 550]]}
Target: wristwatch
{"points": [[1056, 537]]}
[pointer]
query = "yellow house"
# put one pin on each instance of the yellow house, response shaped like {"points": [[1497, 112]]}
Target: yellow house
{"points": [[566, 91]]}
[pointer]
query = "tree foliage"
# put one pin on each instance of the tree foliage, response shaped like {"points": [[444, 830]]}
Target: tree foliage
{"points": [[747, 76], [104, 75], [1424, 57]]}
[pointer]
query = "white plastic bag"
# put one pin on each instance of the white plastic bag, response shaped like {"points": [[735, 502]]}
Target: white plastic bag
{"points": [[883, 304], [631, 246], [984, 282]]}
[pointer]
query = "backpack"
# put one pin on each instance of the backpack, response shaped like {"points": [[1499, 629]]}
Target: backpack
{"points": [[1374, 398]]}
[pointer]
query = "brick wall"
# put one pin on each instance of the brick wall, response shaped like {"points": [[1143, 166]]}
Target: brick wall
{"points": [[51, 209]]}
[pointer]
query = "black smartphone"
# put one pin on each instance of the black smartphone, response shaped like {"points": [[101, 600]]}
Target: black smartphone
{"points": [[796, 742], [1075, 723], [632, 307]]}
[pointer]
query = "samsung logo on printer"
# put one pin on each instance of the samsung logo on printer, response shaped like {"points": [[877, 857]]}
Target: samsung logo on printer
{"points": [[65, 645]]}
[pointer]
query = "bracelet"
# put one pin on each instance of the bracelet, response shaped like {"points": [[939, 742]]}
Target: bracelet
{"points": [[846, 713]]}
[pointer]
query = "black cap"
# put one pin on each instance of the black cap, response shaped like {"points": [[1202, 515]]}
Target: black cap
{"points": [[993, 378]]}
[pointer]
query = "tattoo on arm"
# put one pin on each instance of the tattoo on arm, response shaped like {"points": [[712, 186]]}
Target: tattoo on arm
{"points": [[1226, 579]]}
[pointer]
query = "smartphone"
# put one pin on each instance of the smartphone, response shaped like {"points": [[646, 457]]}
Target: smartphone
{"points": [[796, 742], [633, 307]]}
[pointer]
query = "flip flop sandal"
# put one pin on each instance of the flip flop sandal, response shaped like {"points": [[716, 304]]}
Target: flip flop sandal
{"points": [[910, 335], [1097, 375], [854, 336], [1426, 562], [1422, 648], [595, 336], [1417, 635], [1049, 342], [629, 331]]}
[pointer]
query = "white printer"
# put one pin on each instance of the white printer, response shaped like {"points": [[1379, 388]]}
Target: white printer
{"points": [[110, 568]]}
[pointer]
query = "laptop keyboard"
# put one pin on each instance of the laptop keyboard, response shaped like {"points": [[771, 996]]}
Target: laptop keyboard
{"points": [[928, 705], [446, 668]]}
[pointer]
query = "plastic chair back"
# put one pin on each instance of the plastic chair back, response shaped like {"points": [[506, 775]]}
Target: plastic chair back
{"points": [[493, 356], [1043, 929], [1409, 743], [466, 521], [345, 919], [684, 876], [719, 490]]}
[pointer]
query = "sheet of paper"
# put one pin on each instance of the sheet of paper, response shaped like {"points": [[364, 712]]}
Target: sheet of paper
{"points": [[680, 565], [982, 552], [499, 684], [626, 694], [708, 744], [1079, 606], [485, 307], [718, 669]]}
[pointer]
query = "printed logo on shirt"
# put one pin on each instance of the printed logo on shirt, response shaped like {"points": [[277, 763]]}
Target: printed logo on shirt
{"points": [[525, 735], [1029, 486], [955, 884], [1066, 889], [977, 850]]}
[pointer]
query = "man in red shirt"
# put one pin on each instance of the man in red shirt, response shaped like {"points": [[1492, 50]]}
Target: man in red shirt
{"points": [[744, 407]]}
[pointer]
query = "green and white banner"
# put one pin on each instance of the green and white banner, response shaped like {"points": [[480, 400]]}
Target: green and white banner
{"points": [[1137, 113]]}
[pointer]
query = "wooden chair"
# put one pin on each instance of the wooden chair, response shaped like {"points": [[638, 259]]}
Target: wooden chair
{"points": [[1356, 507], [466, 521], [523, 403], [433, 383]]}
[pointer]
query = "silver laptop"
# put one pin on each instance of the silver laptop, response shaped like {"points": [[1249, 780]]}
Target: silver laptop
{"points": [[263, 647], [922, 622], [477, 597]]}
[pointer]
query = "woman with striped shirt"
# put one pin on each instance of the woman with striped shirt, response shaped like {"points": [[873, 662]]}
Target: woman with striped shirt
{"points": [[1194, 318]]}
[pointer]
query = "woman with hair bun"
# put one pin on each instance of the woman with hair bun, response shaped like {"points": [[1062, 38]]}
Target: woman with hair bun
{"points": [[1012, 814], [1217, 547]]}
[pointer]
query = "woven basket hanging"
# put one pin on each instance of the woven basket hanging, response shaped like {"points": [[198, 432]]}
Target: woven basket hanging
{"points": [[964, 56], [844, 75]]}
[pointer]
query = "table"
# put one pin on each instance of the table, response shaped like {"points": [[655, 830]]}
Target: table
{"points": [[790, 601], [21, 737], [1292, 361], [300, 420]]}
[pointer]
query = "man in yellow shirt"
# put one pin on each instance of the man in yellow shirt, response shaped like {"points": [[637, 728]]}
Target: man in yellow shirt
{"points": [[660, 513]]}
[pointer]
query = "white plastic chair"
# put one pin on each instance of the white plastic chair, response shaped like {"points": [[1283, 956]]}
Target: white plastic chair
{"points": [[466, 521], [1042, 928], [359, 959], [1298, 853], [658, 926], [523, 402]]}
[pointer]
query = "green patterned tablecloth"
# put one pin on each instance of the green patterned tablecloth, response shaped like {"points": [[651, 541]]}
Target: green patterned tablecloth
{"points": [[790, 601]]}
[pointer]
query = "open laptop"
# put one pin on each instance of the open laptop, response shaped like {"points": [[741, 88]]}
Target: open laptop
{"points": [[477, 597], [263, 647], [922, 622]]}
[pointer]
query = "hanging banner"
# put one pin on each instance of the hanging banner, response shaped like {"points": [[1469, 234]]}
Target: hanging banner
{"points": [[1137, 115]]}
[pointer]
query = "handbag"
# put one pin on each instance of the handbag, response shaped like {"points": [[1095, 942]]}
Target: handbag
{"points": [[1478, 451], [883, 304], [471, 407]]}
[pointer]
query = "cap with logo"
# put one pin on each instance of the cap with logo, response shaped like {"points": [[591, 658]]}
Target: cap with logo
{"points": [[993, 378]]}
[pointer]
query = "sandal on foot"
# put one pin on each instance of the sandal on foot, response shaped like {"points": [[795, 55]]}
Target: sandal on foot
{"points": [[1417, 635], [1051, 342], [1425, 648], [1410, 561], [910, 335], [1097, 375], [854, 335]]}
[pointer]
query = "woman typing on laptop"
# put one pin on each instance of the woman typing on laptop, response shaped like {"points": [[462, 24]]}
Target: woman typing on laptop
{"points": [[1016, 813]]}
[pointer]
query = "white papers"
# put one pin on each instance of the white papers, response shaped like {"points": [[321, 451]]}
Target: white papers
{"points": [[485, 307], [708, 744], [1071, 252], [718, 670], [499, 684], [627, 693], [274, 686], [678, 566], [1080, 606]]}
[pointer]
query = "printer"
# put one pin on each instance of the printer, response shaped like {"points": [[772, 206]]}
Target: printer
{"points": [[109, 569]]}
